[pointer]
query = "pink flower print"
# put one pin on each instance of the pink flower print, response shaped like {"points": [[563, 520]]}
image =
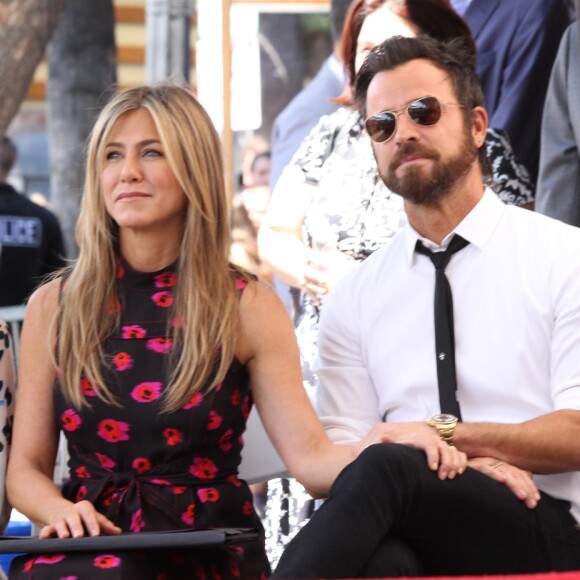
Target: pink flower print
{"points": [[29, 564], [122, 361], [107, 561], [246, 407], [234, 481], [160, 345], [106, 462], [70, 578], [172, 436], [120, 270], [178, 489], [225, 442], [214, 421], [188, 516], [113, 306], [141, 465], [113, 431], [194, 401], [247, 508], [146, 392], [71, 421], [210, 494], [215, 573], [236, 398], [163, 299], [234, 570], [81, 493], [165, 280], [241, 283], [157, 481], [82, 473], [137, 522], [49, 559], [133, 331], [87, 388], [203, 468]]}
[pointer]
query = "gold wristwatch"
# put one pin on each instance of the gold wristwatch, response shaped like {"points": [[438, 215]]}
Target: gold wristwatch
{"points": [[445, 425]]}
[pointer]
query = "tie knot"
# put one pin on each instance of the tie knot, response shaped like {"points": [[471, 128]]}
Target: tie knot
{"points": [[441, 259]]}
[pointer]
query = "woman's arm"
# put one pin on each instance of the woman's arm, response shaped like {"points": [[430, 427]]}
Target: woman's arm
{"points": [[29, 481]]}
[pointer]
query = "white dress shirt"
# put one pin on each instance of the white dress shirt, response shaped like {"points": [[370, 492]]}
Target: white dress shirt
{"points": [[516, 294]]}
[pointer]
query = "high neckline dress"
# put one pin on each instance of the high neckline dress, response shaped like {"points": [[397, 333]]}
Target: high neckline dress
{"points": [[147, 470]]}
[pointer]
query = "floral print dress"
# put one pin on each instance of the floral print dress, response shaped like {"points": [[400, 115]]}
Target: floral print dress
{"points": [[148, 470]]}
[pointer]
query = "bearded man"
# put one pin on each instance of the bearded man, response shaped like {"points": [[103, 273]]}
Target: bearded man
{"points": [[463, 333]]}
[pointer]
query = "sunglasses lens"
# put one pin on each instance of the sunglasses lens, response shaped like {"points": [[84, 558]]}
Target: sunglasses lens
{"points": [[426, 111], [381, 127]]}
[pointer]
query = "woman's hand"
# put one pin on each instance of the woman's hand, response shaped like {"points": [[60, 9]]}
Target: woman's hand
{"points": [[447, 461], [77, 519], [518, 480], [324, 268]]}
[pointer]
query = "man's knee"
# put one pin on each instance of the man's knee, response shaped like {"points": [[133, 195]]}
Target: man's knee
{"points": [[392, 559]]}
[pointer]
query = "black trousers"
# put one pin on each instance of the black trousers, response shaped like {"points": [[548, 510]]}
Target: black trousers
{"points": [[388, 515]]}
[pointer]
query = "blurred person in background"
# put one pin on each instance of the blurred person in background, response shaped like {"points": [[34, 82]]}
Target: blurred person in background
{"points": [[30, 237]]}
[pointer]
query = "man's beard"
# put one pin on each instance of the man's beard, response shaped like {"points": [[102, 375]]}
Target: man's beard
{"points": [[420, 186]]}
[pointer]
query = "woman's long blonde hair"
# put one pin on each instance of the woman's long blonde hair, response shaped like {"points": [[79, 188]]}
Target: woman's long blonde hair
{"points": [[205, 303]]}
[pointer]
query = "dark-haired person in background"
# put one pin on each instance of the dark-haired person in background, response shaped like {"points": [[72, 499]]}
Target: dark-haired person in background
{"points": [[30, 237]]}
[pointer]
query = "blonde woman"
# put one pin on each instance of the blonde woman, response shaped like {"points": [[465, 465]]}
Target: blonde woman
{"points": [[143, 354]]}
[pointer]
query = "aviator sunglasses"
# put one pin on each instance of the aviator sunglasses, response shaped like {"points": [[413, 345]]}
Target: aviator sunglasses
{"points": [[425, 111]]}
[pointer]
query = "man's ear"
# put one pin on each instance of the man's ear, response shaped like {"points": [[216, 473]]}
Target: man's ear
{"points": [[479, 125]]}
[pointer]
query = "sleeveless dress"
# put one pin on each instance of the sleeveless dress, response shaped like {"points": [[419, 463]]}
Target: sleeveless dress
{"points": [[148, 470]]}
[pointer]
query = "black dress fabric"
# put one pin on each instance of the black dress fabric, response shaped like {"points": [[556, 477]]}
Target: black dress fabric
{"points": [[148, 470]]}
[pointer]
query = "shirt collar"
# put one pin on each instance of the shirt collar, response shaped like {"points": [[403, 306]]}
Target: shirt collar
{"points": [[476, 227]]}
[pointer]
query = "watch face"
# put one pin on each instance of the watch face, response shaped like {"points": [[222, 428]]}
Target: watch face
{"points": [[444, 418]]}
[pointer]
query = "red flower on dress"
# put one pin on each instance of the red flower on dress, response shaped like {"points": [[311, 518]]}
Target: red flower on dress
{"points": [[160, 345], [49, 559], [82, 473], [247, 508], [241, 283], [120, 270], [107, 561], [203, 468], [113, 306], [188, 516], [246, 407], [214, 421], [81, 493], [71, 420], [172, 436], [195, 401], [106, 462], [141, 464], [225, 442], [234, 481], [113, 431], [163, 299], [146, 392], [178, 489], [210, 494], [122, 361], [133, 331], [236, 398], [234, 569], [166, 280], [137, 522], [87, 388]]}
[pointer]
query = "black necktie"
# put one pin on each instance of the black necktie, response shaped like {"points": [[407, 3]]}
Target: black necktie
{"points": [[444, 335]]}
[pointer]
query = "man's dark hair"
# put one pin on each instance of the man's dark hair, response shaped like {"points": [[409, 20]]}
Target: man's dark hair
{"points": [[338, 10], [452, 57], [7, 155]]}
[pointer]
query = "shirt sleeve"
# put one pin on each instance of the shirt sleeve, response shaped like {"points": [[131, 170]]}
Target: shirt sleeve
{"points": [[345, 399], [559, 180]]}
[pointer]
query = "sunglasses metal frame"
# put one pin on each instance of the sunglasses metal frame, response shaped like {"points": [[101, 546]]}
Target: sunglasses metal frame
{"points": [[405, 109]]}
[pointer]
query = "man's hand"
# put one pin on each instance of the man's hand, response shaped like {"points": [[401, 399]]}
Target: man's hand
{"points": [[519, 481], [445, 460]]}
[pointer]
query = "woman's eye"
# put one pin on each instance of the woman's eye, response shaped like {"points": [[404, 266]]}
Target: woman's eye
{"points": [[113, 155], [152, 153]]}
